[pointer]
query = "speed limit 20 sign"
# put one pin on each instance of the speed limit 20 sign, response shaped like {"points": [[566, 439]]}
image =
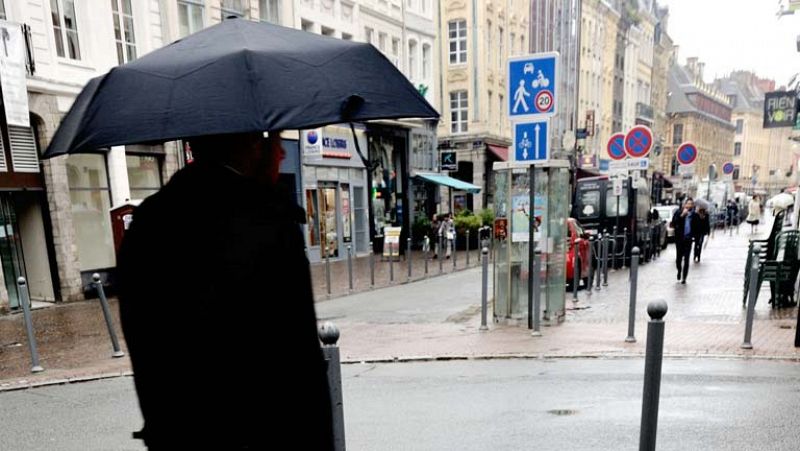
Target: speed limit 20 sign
{"points": [[544, 101]]}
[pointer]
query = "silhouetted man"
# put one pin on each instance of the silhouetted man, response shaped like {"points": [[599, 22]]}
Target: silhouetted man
{"points": [[687, 226], [217, 308]]}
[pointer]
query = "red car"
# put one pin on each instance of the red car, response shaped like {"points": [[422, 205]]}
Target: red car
{"points": [[576, 234]]}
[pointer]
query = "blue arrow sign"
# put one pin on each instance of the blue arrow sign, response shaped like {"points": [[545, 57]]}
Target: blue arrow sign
{"points": [[531, 141], [532, 85]]}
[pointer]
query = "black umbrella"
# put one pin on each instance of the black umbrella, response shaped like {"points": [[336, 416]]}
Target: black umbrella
{"points": [[234, 77]]}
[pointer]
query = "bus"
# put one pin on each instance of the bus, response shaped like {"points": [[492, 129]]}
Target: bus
{"points": [[600, 211]]}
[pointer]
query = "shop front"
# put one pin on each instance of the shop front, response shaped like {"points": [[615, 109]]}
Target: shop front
{"points": [[335, 193]]}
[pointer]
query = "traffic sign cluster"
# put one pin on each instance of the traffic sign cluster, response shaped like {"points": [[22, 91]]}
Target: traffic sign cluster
{"points": [[531, 102]]}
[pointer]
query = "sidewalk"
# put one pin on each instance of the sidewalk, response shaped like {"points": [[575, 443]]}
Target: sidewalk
{"points": [[439, 317]]}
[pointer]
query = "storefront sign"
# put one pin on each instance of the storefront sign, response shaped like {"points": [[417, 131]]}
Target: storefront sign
{"points": [[449, 162], [391, 240], [12, 74], [312, 144], [780, 109], [590, 122]]}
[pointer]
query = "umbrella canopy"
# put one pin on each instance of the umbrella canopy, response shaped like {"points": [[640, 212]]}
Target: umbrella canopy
{"points": [[702, 203], [782, 201], [235, 77]]}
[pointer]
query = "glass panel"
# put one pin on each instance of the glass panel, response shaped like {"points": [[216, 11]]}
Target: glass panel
{"points": [[328, 223], [55, 16], [347, 220], [557, 184], [92, 221], [312, 212], [144, 174], [130, 37], [87, 171], [611, 203], [10, 249], [126, 7], [71, 26], [360, 218], [183, 19], [197, 18]]}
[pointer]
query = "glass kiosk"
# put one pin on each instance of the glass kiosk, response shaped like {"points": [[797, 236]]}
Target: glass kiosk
{"points": [[512, 219]]}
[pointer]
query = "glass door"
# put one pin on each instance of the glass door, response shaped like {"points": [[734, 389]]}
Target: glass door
{"points": [[11, 254], [328, 221], [360, 218]]}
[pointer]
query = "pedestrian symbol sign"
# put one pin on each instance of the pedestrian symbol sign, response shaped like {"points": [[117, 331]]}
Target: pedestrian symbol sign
{"points": [[531, 141], [532, 85]]}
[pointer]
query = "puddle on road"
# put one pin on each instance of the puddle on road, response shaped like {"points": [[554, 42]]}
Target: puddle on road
{"points": [[562, 412]]}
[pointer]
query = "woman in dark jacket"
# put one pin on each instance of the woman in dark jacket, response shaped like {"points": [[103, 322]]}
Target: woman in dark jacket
{"points": [[705, 229]]}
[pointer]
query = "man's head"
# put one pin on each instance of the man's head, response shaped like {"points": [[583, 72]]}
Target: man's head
{"points": [[250, 154], [689, 204]]}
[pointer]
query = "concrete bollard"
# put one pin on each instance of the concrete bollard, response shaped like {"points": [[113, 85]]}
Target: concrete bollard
{"points": [[391, 263], [751, 303], [652, 375], [467, 248], [24, 300], [632, 297], [329, 335], [590, 276], [101, 293], [440, 255], [606, 246]]}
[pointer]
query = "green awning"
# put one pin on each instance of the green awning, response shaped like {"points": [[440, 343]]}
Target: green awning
{"points": [[444, 180]]}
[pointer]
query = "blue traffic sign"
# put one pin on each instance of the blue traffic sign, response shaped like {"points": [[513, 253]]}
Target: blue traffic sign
{"points": [[686, 154], [531, 141], [616, 146], [728, 168], [532, 81]]}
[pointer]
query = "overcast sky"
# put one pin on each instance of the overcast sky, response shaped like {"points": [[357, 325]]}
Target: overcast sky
{"points": [[736, 34]]}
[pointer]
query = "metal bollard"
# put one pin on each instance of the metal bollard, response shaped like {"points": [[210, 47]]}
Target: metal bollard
{"points": [[408, 256], [391, 263], [575, 268], [371, 265], [26, 313], [107, 315], [484, 286], [329, 335], [652, 375], [614, 249], [440, 255], [537, 294], [590, 278], [350, 265], [328, 271], [605, 260], [453, 251], [467, 248], [425, 254], [751, 303], [599, 271], [632, 298]]}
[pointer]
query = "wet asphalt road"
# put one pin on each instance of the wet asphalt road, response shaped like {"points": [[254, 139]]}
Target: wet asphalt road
{"points": [[573, 404]]}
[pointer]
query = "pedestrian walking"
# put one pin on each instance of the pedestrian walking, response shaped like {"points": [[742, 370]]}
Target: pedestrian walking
{"points": [[241, 251], [435, 234], [704, 230], [686, 223], [754, 213], [448, 231]]}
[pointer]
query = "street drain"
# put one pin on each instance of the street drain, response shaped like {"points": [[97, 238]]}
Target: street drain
{"points": [[562, 412]]}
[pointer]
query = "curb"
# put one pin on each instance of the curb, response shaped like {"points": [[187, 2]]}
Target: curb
{"points": [[24, 385], [544, 356]]}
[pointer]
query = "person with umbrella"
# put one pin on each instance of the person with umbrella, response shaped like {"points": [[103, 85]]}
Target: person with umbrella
{"points": [[704, 230], [687, 226], [199, 312]]}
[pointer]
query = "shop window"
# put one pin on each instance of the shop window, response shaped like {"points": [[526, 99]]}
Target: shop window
{"points": [[270, 11], [328, 231], [91, 200], [235, 8], [312, 218], [144, 174]]}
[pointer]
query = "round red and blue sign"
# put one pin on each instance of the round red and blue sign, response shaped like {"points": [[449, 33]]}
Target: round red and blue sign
{"points": [[638, 141], [616, 146], [727, 168], [686, 153]]}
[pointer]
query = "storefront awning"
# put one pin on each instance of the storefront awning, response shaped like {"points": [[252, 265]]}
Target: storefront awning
{"points": [[499, 151], [444, 180]]}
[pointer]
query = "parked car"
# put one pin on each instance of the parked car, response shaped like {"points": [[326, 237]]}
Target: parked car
{"points": [[665, 212], [576, 233]]}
